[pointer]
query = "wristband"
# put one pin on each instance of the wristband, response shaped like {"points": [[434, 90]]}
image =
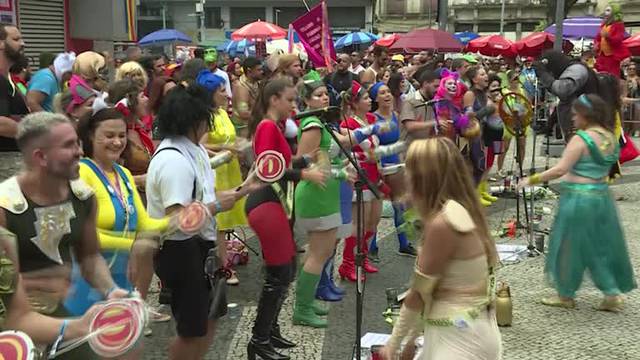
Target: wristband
{"points": [[307, 160], [54, 347], [535, 179], [111, 290], [218, 206]]}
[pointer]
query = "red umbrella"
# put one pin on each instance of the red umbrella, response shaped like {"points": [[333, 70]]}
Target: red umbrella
{"points": [[427, 39], [536, 43], [492, 45], [633, 44], [387, 41], [259, 30]]}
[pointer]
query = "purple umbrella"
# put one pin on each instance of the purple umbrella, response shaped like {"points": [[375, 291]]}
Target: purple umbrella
{"points": [[579, 27]]}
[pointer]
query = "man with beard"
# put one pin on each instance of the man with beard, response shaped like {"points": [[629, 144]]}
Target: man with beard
{"points": [[567, 79], [53, 215], [417, 117], [342, 78], [246, 92], [356, 63], [380, 62], [12, 104]]}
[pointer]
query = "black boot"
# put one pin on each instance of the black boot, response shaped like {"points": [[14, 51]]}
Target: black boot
{"points": [[275, 285]]}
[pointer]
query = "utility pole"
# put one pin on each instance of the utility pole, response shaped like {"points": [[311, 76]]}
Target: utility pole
{"points": [[557, 45], [443, 14], [200, 9], [164, 16], [502, 19]]}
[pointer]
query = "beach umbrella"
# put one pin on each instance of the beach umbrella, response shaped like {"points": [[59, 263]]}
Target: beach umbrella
{"points": [[633, 44], [355, 38], [234, 47], [259, 30], [164, 36], [492, 45], [427, 39], [586, 27], [465, 36], [536, 43], [388, 40]]}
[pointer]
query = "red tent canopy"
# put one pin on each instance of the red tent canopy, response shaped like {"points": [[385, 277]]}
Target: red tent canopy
{"points": [[536, 43], [492, 45], [259, 30], [633, 44], [427, 39]]}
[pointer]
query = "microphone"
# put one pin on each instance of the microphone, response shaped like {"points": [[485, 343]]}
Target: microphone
{"points": [[429, 103], [221, 158], [329, 110]]}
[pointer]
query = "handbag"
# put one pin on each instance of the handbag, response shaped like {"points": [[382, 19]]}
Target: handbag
{"points": [[628, 150]]}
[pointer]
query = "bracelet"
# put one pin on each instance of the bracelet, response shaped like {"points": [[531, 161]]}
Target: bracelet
{"points": [[218, 206], [56, 344], [535, 179]]}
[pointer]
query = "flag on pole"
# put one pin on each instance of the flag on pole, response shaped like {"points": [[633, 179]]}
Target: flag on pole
{"points": [[290, 37], [315, 35], [130, 20]]}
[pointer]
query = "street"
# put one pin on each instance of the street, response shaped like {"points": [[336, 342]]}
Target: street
{"points": [[538, 332]]}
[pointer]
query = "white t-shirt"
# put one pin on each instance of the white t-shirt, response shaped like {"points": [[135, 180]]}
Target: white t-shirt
{"points": [[170, 181], [227, 85]]}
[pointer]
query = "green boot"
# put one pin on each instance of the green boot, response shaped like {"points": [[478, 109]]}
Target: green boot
{"points": [[320, 309], [304, 312]]}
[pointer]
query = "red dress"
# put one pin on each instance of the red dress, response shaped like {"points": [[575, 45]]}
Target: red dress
{"points": [[610, 50]]}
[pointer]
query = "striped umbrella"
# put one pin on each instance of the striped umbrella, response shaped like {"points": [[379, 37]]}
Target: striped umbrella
{"points": [[355, 38]]}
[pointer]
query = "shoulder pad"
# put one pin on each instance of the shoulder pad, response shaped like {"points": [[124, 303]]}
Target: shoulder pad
{"points": [[11, 197], [458, 217], [80, 189]]}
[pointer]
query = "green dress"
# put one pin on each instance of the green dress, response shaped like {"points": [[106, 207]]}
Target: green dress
{"points": [[317, 208], [586, 233]]}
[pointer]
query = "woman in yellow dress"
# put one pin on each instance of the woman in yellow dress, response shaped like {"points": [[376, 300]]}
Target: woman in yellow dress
{"points": [[121, 214], [222, 137]]}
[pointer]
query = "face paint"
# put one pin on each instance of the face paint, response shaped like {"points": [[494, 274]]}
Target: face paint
{"points": [[452, 86]]}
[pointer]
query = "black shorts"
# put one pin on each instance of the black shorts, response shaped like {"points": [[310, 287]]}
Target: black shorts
{"points": [[180, 266]]}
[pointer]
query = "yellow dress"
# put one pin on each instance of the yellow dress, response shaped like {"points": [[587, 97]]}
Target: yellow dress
{"points": [[228, 176]]}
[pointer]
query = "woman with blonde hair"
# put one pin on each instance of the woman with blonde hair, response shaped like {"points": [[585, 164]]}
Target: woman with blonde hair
{"points": [[133, 71], [451, 298]]}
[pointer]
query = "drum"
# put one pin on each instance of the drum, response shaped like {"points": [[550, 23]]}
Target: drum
{"points": [[16, 345]]}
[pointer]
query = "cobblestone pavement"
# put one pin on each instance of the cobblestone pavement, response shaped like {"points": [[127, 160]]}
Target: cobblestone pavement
{"points": [[538, 332]]}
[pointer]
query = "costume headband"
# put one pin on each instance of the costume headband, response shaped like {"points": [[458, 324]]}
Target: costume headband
{"points": [[373, 91], [312, 81], [209, 80], [80, 91], [585, 101]]}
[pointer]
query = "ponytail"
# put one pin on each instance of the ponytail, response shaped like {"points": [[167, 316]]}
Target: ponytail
{"points": [[271, 88]]}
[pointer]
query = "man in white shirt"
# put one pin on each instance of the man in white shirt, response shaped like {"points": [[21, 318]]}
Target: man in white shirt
{"points": [[180, 173]]}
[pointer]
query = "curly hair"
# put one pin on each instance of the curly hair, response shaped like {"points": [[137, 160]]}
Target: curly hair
{"points": [[183, 111], [133, 71]]}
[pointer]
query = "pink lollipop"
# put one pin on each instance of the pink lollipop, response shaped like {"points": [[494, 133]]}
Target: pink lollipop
{"points": [[192, 218], [16, 345], [270, 166], [118, 325]]}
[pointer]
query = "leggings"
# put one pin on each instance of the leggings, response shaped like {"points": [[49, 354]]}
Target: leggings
{"points": [[270, 223]]}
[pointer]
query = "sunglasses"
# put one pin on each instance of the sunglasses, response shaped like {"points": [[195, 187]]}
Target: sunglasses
{"points": [[495, 90]]}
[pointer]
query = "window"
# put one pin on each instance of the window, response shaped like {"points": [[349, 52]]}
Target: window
{"points": [[464, 27], [413, 6], [213, 18], [396, 7], [241, 16], [529, 26], [492, 28]]}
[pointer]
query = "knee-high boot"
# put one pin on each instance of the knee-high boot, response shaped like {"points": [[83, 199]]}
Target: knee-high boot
{"points": [[324, 291], [275, 285], [304, 312], [277, 340], [365, 249], [347, 269]]}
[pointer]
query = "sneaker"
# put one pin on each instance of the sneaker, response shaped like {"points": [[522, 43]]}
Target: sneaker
{"points": [[501, 174], [408, 251], [233, 279], [373, 256], [157, 316]]}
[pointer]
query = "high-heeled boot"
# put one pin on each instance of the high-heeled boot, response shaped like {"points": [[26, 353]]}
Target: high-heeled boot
{"points": [[368, 268], [324, 291], [347, 269], [335, 288], [277, 339], [276, 281]]}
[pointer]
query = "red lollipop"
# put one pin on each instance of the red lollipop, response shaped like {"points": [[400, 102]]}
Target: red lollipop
{"points": [[16, 345], [270, 166]]}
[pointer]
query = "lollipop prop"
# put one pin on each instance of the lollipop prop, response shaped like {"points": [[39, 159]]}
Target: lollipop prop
{"points": [[16, 345]]}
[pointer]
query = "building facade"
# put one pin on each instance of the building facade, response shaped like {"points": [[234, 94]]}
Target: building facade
{"points": [[480, 16], [221, 17]]}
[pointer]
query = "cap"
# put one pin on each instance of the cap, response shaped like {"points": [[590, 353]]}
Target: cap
{"points": [[470, 58], [528, 59], [398, 57]]}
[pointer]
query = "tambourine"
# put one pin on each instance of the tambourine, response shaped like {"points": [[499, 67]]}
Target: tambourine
{"points": [[16, 345], [516, 112], [270, 166], [118, 326]]}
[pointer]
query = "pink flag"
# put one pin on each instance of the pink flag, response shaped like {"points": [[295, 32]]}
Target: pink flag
{"points": [[315, 35]]}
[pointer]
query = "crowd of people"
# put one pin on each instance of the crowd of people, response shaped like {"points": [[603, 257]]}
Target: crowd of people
{"points": [[115, 151]]}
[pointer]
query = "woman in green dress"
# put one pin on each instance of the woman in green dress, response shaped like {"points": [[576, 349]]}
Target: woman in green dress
{"points": [[586, 233]]}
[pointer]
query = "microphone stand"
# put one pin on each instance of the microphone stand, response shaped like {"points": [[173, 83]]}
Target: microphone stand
{"points": [[359, 189]]}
